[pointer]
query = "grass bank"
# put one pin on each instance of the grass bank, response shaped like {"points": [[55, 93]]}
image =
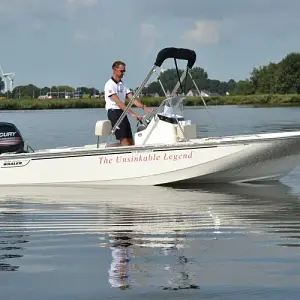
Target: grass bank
{"points": [[254, 100]]}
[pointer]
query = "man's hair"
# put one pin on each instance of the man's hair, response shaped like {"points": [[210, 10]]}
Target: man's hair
{"points": [[117, 63]]}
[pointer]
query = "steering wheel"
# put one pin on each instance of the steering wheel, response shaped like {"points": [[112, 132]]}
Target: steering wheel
{"points": [[143, 123]]}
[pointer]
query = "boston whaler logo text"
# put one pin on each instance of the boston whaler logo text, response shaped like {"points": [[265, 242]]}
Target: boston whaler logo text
{"points": [[145, 157], [14, 163]]}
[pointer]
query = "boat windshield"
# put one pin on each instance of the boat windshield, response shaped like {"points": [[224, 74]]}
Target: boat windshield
{"points": [[171, 107]]}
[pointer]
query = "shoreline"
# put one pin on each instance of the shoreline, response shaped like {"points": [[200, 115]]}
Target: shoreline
{"points": [[245, 100]]}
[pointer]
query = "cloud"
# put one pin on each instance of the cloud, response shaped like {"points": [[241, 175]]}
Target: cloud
{"points": [[3, 6], [213, 9], [205, 32], [37, 25], [149, 35], [93, 36], [238, 16], [83, 2], [81, 36]]}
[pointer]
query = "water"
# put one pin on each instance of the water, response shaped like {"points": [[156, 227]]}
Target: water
{"points": [[208, 242]]}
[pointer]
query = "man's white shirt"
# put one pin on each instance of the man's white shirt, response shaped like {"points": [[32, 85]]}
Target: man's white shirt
{"points": [[112, 87]]}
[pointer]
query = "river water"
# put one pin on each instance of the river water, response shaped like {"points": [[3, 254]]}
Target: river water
{"points": [[205, 242]]}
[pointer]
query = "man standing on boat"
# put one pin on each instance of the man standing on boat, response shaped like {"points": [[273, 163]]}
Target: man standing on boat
{"points": [[115, 93]]}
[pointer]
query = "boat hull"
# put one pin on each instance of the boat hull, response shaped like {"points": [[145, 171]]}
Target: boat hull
{"points": [[244, 159]]}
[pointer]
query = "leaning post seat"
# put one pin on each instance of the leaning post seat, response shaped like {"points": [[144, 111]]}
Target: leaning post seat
{"points": [[103, 128]]}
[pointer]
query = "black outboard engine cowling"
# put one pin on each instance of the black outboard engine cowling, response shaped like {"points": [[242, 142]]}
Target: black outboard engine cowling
{"points": [[10, 139]]}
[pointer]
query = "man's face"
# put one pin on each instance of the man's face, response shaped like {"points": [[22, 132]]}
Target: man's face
{"points": [[120, 71]]}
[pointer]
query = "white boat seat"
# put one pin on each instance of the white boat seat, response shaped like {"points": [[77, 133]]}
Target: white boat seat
{"points": [[103, 128], [190, 131]]}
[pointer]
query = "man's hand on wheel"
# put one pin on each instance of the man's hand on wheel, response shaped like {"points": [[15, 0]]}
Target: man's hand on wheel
{"points": [[138, 117]]}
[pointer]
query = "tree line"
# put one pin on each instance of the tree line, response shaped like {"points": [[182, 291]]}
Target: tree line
{"points": [[273, 78], [31, 91]]}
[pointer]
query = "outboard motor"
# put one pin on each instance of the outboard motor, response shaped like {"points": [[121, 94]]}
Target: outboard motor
{"points": [[11, 140]]}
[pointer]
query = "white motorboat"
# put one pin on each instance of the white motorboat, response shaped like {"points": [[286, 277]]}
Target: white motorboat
{"points": [[167, 149]]}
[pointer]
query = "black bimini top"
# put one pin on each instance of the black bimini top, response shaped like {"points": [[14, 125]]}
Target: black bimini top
{"points": [[176, 53]]}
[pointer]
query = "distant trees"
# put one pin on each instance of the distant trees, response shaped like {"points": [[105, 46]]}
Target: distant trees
{"points": [[169, 79], [275, 78], [278, 78], [32, 91]]}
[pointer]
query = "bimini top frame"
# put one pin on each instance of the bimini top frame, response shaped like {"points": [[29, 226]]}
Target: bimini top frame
{"points": [[166, 53]]}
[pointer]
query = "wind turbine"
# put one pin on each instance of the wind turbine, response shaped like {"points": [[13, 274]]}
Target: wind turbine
{"points": [[8, 77], [11, 80]]}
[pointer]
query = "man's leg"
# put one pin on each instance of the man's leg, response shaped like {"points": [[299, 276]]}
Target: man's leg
{"points": [[127, 142], [113, 116], [125, 133]]}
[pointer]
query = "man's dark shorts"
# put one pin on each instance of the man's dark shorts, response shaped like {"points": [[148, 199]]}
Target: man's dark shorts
{"points": [[125, 128]]}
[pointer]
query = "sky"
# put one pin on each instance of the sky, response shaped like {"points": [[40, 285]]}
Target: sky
{"points": [[74, 42]]}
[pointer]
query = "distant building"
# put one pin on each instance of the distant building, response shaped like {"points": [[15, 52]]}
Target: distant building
{"points": [[61, 95], [194, 93]]}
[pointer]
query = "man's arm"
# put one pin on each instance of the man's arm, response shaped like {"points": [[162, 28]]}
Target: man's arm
{"points": [[138, 103], [122, 106]]}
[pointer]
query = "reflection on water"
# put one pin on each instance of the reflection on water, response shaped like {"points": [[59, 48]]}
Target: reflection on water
{"points": [[166, 238], [119, 268], [123, 249], [11, 243]]}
